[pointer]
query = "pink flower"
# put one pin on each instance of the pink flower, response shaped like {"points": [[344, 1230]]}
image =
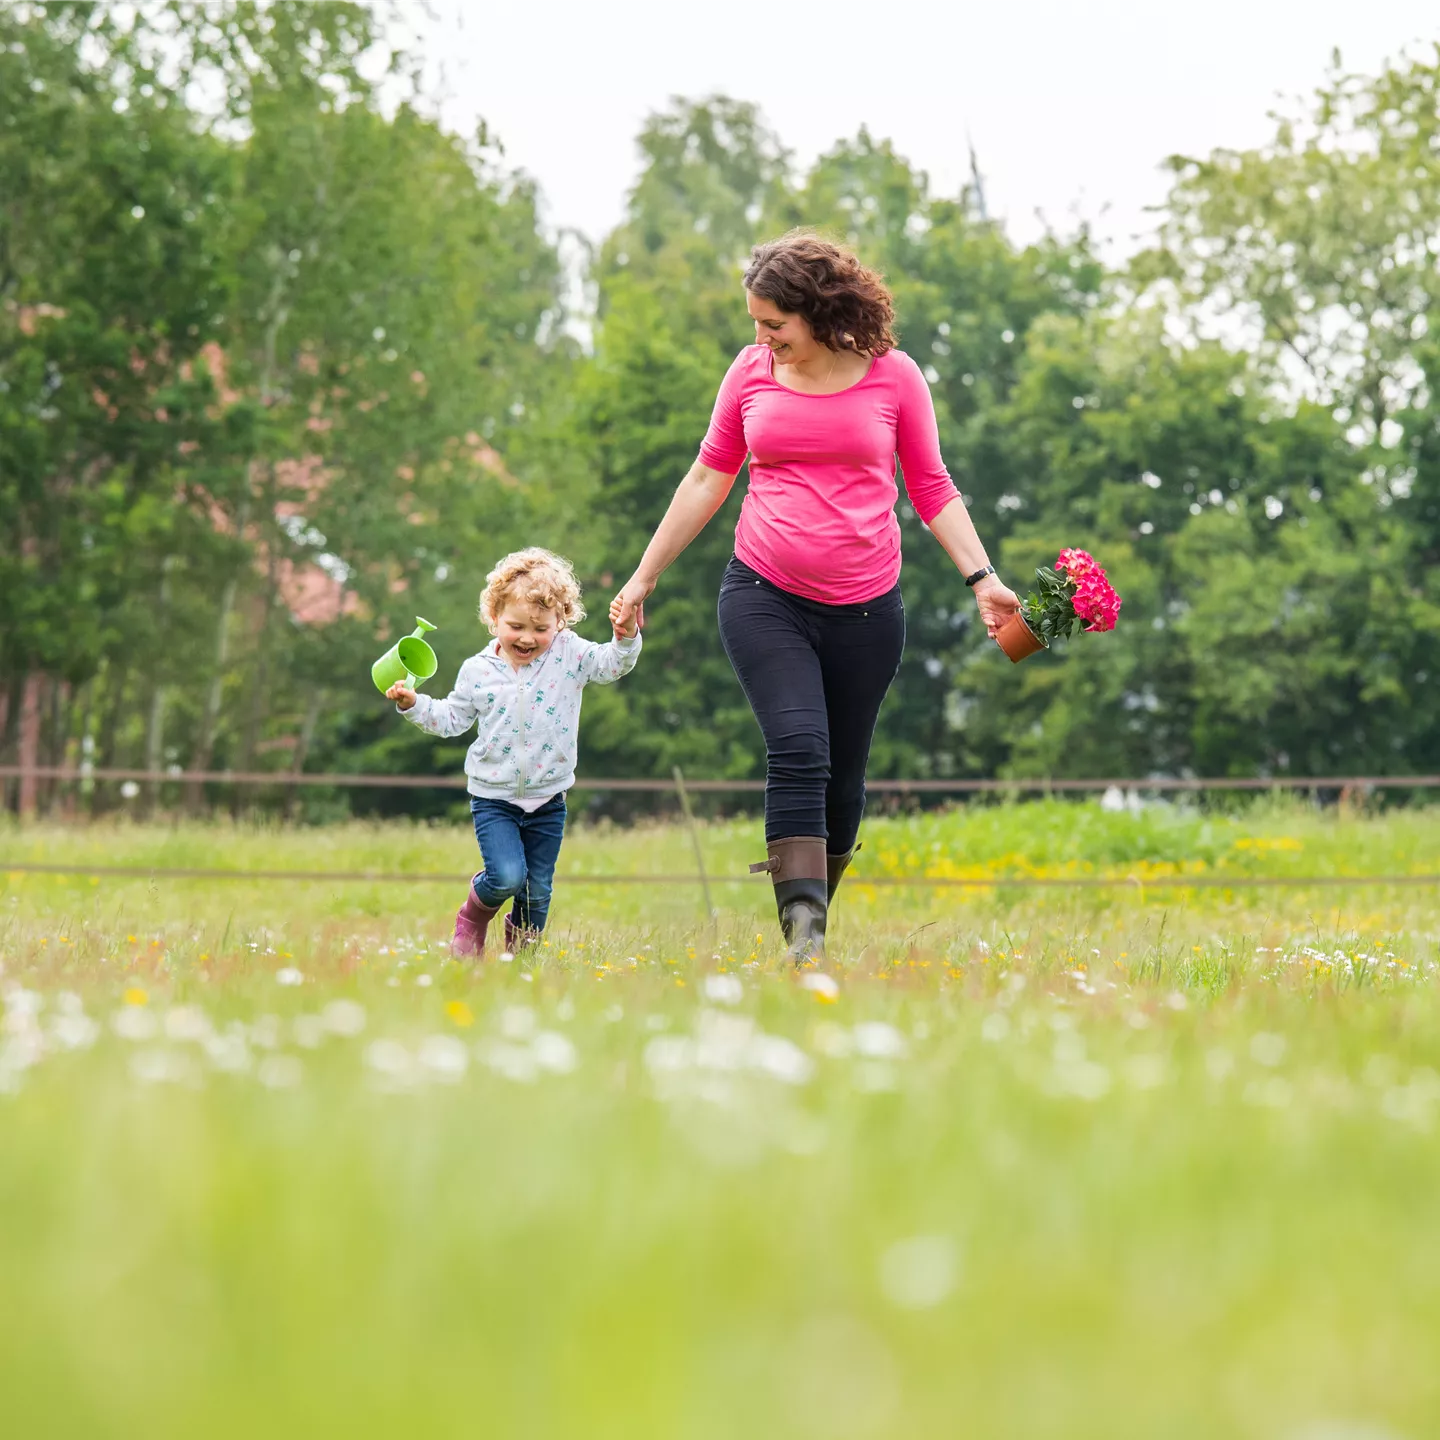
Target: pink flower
{"points": [[1077, 564], [1095, 600], [1083, 593]]}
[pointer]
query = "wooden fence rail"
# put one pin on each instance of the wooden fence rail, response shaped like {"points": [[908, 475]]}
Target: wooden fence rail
{"points": [[1154, 784]]}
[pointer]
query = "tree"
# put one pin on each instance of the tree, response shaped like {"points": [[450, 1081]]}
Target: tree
{"points": [[316, 327], [108, 271], [1325, 239], [1138, 446], [671, 319]]}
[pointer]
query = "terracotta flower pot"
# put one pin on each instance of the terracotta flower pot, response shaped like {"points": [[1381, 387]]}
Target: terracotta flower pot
{"points": [[1017, 639]]}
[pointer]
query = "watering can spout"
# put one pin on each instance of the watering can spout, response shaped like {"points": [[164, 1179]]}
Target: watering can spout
{"points": [[421, 626]]}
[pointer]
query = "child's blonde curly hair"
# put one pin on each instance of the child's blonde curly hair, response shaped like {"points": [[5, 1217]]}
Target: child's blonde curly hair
{"points": [[532, 577]]}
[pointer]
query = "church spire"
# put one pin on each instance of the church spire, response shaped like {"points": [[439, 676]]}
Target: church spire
{"points": [[977, 181]]}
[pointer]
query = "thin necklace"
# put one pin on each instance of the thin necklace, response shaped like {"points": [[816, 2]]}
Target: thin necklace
{"points": [[835, 361]]}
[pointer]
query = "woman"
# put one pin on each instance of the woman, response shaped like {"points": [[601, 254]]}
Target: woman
{"points": [[810, 609]]}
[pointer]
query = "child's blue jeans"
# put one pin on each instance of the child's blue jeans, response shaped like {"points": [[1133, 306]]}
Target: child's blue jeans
{"points": [[519, 852]]}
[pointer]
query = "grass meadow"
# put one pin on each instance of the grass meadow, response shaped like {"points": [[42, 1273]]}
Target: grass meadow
{"points": [[1157, 1159]]}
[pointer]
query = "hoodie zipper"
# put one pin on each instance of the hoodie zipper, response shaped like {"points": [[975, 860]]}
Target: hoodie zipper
{"points": [[520, 790]]}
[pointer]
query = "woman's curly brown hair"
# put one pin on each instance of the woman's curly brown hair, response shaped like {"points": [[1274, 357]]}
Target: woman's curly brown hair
{"points": [[846, 305]]}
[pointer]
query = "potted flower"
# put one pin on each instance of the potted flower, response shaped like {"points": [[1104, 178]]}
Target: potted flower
{"points": [[1074, 593]]}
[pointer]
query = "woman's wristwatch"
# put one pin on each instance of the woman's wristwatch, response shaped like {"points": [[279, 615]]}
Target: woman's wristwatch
{"points": [[979, 575]]}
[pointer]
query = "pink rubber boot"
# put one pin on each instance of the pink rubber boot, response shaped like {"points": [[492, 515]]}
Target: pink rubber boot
{"points": [[472, 921]]}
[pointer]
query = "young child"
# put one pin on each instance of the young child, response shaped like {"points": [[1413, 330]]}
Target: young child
{"points": [[523, 692]]}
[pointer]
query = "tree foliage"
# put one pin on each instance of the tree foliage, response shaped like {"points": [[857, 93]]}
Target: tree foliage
{"points": [[283, 363]]}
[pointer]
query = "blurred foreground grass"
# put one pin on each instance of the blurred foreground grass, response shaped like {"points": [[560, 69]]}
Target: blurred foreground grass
{"points": [[1146, 1161]]}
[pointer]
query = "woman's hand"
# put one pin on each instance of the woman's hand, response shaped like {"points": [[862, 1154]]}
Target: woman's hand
{"points": [[955, 531], [997, 603], [628, 607], [402, 695]]}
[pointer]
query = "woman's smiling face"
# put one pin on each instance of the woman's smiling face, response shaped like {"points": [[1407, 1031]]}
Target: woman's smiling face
{"points": [[787, 336]]}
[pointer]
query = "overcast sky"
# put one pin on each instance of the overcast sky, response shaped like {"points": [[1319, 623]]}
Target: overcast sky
{"points": [[1069, 105]]}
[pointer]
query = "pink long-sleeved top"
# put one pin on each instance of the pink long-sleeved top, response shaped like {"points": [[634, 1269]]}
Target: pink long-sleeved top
{"points": [[818, 518]]}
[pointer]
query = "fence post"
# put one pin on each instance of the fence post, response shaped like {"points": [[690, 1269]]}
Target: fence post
{"points": [[694, 840]]}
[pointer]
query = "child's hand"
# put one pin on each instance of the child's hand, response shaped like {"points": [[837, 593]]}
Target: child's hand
{"points": [[402, 695], [616, 610], [632, 597]]}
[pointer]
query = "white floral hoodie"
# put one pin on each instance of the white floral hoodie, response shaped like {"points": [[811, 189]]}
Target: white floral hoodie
{"points": [[528, 718]]}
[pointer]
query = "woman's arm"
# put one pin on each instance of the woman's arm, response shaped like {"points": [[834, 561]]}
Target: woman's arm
{"points": [[955, 531], [699, 495], [936, 500]]}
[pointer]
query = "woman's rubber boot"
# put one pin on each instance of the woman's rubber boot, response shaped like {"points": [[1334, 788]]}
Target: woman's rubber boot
{"points": [[472, 921], [835, 867], [796, 866]]}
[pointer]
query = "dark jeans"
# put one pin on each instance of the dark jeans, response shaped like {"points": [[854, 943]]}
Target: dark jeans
{"points": [[815, 676], [519, 853]]}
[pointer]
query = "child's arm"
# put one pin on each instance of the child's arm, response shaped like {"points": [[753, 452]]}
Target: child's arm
{"points": [[452, 716], [604, 664]]}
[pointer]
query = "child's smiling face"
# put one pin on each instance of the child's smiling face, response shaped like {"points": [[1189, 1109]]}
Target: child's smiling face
{"points": [[525, 632]]}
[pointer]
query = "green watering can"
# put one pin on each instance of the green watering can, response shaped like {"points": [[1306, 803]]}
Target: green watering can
{"points": [[410, 660]]}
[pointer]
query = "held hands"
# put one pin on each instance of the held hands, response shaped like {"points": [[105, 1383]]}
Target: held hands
{"points": [[997, 603], [402, 695], [627, 609], [617, 622]]}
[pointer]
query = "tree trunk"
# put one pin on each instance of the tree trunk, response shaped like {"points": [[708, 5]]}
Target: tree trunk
{"points": [[117, 679], [154, 744], [53, 752], [205, 740], [302, 748], [9, 710], [86, 749], [155, 724], [259, 681], [275, 314], [29, 748]]}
